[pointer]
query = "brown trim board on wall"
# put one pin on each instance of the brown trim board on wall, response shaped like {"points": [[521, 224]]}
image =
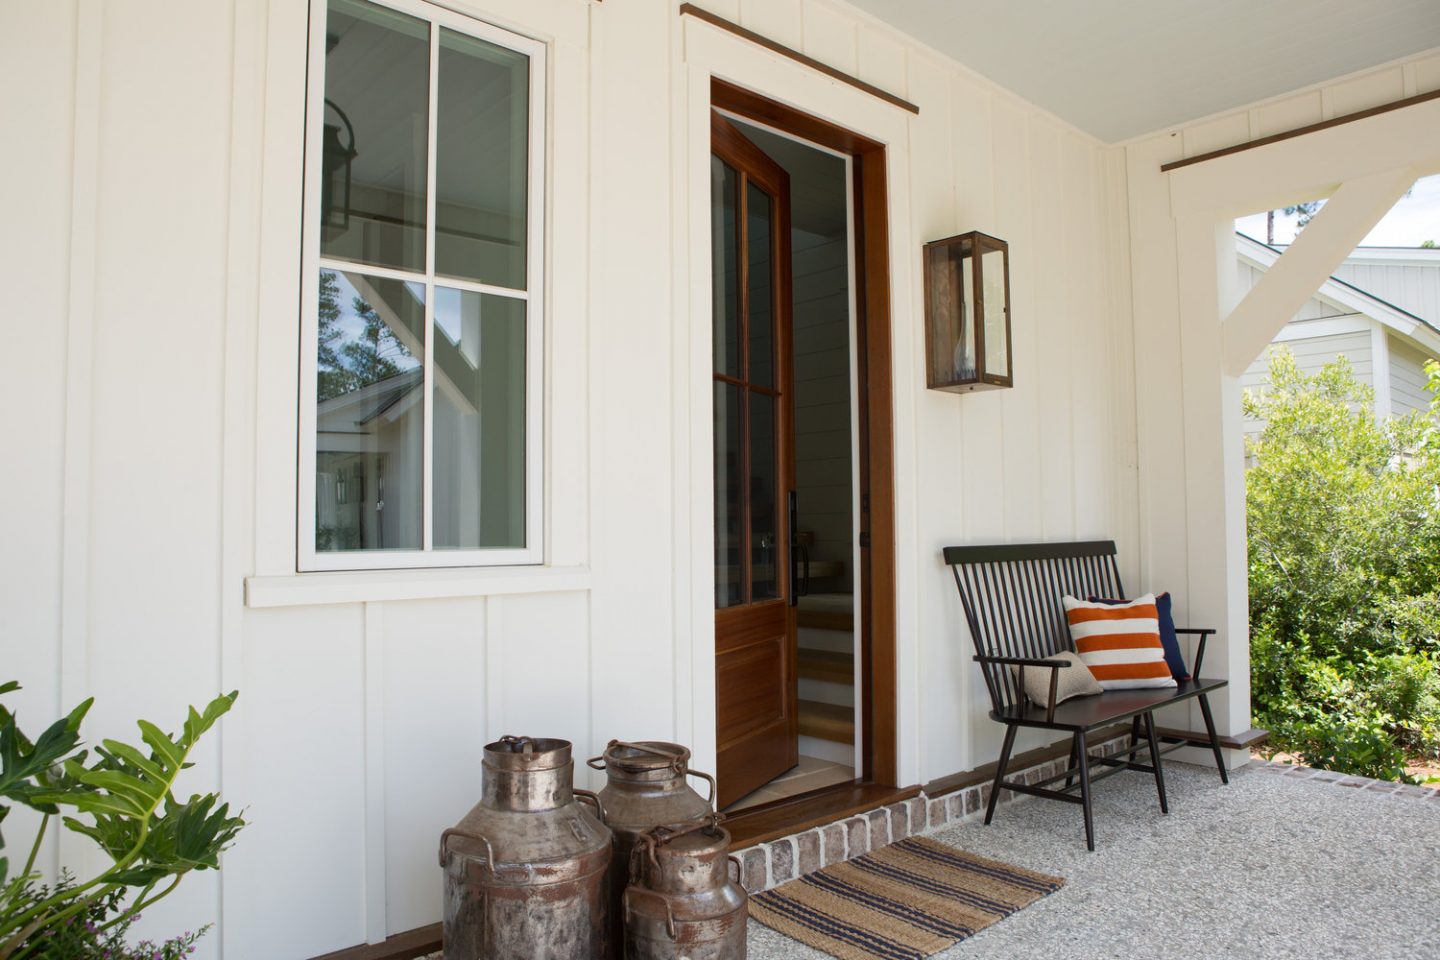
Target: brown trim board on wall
{"points": [[729, 26]]}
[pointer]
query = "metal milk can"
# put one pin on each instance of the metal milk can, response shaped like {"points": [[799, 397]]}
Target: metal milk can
{"points": [[645, 788], [527, 870], [681, 903]]}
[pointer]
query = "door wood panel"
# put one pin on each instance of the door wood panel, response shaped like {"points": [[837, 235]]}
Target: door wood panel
{"points": [[757, 721]]}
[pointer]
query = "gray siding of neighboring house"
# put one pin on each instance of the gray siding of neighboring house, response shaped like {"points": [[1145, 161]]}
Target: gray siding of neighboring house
{"points": [[1312, 354], [1411, 287], [1407, 378]]}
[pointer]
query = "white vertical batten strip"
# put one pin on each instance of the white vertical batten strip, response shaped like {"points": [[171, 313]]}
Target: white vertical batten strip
{"points": [[427, 413], [1381, 371], [493, 668], [79, 377], [681, 346], [375, 866], [237, 375]]}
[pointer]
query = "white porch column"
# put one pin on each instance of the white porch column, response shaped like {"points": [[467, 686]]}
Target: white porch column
{"points": [[1217, 591]]}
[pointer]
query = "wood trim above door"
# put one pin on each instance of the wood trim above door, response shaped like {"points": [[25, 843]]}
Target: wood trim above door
{"points": [[877, 455]]}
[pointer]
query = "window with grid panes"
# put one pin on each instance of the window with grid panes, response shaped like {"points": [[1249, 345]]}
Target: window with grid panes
{"points": [[422, 316]]}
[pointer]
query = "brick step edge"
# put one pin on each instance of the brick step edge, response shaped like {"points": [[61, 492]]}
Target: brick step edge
{"points": [[768, 865]]}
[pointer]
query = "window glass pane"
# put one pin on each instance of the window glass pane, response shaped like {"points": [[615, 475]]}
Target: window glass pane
{"points": [[479, 426], [725, 263], [729, 497], [764, 500], [481, 161], [370, 413], [373, 156], [760, 279]]}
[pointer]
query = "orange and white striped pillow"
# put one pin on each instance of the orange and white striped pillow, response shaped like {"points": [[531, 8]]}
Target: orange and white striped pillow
{"points": [[1120, 643]]}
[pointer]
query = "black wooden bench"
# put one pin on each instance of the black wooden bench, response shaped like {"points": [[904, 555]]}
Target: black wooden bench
{"points": [[1012, 596]]}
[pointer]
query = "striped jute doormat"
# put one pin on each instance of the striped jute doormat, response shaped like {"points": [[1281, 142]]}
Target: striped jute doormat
{"points": [[906, 901]]}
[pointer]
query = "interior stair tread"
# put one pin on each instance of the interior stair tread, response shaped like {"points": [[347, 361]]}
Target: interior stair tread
{"points": [[833, 666], [827, 721]]}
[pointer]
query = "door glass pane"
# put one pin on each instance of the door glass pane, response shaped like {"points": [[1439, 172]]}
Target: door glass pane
{"points": [[729, 497], [481, 161], [764, 500], [369, 414], [997, 350], [479, 423], [725, 266], [373, 156], [761, 283]]}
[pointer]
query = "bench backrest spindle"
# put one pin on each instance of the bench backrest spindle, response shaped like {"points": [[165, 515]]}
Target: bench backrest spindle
{"points": [[1012, 597]]}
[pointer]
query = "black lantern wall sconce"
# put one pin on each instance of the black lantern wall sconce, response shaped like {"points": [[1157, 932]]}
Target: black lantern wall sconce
{"points": [[336, 156], [967, 313]]}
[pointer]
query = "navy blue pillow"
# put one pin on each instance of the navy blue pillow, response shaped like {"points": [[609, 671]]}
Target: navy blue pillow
{"points": [[1173, 658]]}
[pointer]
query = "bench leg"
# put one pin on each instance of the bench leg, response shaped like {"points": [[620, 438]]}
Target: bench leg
{"points": [[1074, 762], [1214, 743], [1135, 732], [1155, 761], [1000, 773], [1083, 761]]}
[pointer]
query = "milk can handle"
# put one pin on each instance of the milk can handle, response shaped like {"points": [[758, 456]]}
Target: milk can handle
{"points": [[669, 914], [489, 858], [593, 797], [598, 763], [739, 869], [710, 800]]}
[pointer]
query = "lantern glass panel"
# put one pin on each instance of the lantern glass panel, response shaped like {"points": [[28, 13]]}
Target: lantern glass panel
{"points": [[951, 319], [997, 341]]}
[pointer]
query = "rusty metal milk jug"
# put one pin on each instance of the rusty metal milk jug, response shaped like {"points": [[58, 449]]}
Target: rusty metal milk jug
{"points": [[645, 788], [681, 903], [527, 870]]}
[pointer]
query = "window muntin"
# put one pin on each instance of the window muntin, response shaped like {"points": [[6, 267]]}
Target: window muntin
{"points": [[422, 314]]}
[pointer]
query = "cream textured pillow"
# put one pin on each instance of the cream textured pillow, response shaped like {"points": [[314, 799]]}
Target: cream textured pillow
{"points": [[1075, 680]]}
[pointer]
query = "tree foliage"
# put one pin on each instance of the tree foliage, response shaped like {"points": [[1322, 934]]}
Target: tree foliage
{"points": [[1343, 520], [348, 362]]}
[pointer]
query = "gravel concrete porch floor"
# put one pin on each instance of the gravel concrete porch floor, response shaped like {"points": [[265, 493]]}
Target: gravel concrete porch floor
{"points": [[1270, 866]]}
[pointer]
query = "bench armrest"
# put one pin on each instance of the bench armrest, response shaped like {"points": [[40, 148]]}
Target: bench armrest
{"points": [[1204, 633], [1054, 667]]}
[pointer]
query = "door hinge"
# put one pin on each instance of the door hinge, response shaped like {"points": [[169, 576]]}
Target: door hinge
{"points": [[865, 539]]}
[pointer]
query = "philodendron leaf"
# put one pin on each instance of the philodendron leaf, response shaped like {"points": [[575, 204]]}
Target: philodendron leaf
{"points": [[23, 763]]}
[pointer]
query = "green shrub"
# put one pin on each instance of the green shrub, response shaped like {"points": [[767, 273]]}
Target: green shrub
{"points": [[1343, 516]]}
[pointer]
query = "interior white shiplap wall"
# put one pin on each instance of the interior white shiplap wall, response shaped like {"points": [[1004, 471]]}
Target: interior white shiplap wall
{"points": [[150, 536]]}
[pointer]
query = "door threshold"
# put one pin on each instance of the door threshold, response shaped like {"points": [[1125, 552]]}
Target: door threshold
{"points": [[780, 818]]}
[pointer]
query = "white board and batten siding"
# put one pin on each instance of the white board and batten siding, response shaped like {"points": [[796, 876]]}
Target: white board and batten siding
{"points": [[151, 555]]}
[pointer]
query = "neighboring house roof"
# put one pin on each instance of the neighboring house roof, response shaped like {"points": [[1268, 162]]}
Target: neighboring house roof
{"points": [[1423, 331]]}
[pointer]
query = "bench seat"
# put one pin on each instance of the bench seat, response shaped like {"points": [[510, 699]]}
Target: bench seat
{"points": [[1104, 709]]}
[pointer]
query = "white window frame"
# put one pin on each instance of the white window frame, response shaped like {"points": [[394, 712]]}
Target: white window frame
{"points": [[308, 558]]}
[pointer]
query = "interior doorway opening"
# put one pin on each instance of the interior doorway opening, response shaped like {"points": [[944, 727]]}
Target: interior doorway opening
{"points": [[823, 439]]}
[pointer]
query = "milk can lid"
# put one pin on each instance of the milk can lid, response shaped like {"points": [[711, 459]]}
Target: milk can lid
{"points": [[645, 755], [528, 753]]}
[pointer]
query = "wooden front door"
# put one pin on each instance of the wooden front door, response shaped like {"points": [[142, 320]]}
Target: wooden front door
{"points": [[757, 726]]}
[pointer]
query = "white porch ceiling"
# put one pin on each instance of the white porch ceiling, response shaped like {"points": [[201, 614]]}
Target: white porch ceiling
{"points": [[1122, 68]]}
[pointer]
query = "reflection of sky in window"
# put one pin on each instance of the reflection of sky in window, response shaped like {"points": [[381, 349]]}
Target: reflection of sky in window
{"points": [[447, 313], [351, 325]]}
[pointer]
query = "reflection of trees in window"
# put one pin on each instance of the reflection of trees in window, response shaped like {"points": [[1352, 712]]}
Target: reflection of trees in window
{"points": [[347, 363]]}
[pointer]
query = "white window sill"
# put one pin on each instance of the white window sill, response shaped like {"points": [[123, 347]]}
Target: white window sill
{"points": [[310, 589]]}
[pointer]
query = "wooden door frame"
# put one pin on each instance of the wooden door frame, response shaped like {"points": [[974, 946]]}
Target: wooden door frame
{"points": [[875, 409]]}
